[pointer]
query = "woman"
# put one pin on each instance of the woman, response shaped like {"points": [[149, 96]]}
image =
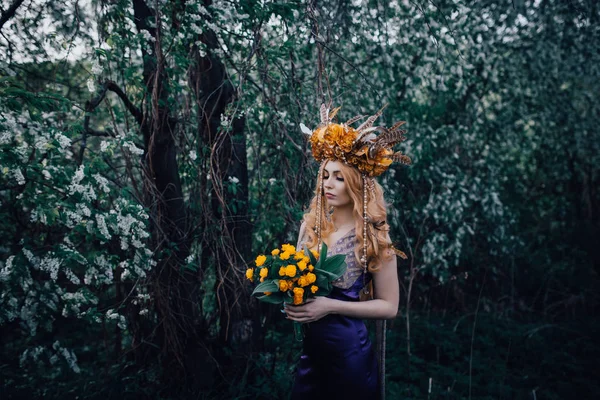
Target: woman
{"points": [[338, 359]]}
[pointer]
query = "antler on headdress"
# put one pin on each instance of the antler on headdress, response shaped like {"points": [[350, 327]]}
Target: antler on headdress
{"points": [[367, 148]]}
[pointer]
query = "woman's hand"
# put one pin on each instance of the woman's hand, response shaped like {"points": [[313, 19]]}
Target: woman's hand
{"points": [[313, 310]]}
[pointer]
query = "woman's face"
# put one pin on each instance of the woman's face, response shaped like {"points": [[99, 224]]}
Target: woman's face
{"points": [[334, 186]]}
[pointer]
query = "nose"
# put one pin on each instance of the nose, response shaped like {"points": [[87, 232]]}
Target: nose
{"points": [[327, 182]]}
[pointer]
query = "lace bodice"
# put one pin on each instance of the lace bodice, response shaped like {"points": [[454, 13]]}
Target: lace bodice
{"points": [[344, 245]]}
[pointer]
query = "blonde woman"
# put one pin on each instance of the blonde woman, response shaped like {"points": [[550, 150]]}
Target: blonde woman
{"points": [[348, 214]]}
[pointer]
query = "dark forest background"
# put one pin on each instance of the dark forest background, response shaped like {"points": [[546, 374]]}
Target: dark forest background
{"points": [[151, 149]]}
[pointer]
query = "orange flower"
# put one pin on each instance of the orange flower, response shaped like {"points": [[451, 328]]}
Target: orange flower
{"points": [[264, 272], [314, 288], [311, 268], [311, 278], [281, 271]]}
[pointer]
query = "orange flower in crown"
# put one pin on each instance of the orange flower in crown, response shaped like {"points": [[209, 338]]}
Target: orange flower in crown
{"points": [[367, 148]]}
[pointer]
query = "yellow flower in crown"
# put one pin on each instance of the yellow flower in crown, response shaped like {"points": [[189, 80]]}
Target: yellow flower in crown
{"points": [[260, 260], [361, 148]]}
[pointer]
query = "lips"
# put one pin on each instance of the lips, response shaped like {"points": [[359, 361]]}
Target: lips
{"points": [[329, 195]]}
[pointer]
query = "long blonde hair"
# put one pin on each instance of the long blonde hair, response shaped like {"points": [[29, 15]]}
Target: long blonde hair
{"points": [[378, 239]]}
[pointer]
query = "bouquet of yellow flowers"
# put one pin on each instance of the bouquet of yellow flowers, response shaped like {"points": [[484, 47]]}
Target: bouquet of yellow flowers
{"points": [[291, 276]]}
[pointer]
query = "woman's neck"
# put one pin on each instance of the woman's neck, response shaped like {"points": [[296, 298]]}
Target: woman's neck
{"points": [[342, 217]]}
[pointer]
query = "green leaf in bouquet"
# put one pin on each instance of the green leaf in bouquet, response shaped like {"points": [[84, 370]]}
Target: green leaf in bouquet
{"points": [[335, 265], [313, 259], [323, 254], [273, 298], [329, 275], [324, 284], [266, 286]]}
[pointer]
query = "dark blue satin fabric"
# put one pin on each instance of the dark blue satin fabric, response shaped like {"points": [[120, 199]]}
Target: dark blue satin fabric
{"points": [[338, 359]]}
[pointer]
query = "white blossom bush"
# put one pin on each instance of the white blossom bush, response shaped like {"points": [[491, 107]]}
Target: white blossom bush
{"points": [[68, 231]]}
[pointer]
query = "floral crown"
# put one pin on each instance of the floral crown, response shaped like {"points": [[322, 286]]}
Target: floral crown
{"points": [[368, 148]]}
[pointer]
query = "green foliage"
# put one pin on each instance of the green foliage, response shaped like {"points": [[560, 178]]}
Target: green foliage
{"points": [[499, 210]]}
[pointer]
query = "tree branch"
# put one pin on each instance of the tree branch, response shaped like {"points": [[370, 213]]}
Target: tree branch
{"points": [[8, 14]]}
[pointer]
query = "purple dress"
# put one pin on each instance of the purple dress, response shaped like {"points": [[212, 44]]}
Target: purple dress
{"points": [[338, 360]]}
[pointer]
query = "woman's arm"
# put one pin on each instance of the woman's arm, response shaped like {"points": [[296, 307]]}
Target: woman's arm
{"points": [[383, 306]]}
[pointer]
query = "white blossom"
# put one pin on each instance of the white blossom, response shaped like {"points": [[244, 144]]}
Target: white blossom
{"points": [[18, 175], [233, 179], [193, 155], [103, 182], [6, 269], [96, 68], [133, 148], [63, 141], [91, 85], [102, 226], [104, 146]]}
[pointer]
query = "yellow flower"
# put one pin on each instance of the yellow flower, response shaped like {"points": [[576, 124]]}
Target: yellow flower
{"points": [[283, 285], [281, 271], [250, 273], [275, 252], [299, 255], [303, 281], [260, 260], [302, 265], [262, 280], [311, 268], [264, 272], [311, 278], [267, 293], [298, 294], [288, 248], [315, 253], [306, 260], [290, 270], [285, 255], [314, 288]]}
